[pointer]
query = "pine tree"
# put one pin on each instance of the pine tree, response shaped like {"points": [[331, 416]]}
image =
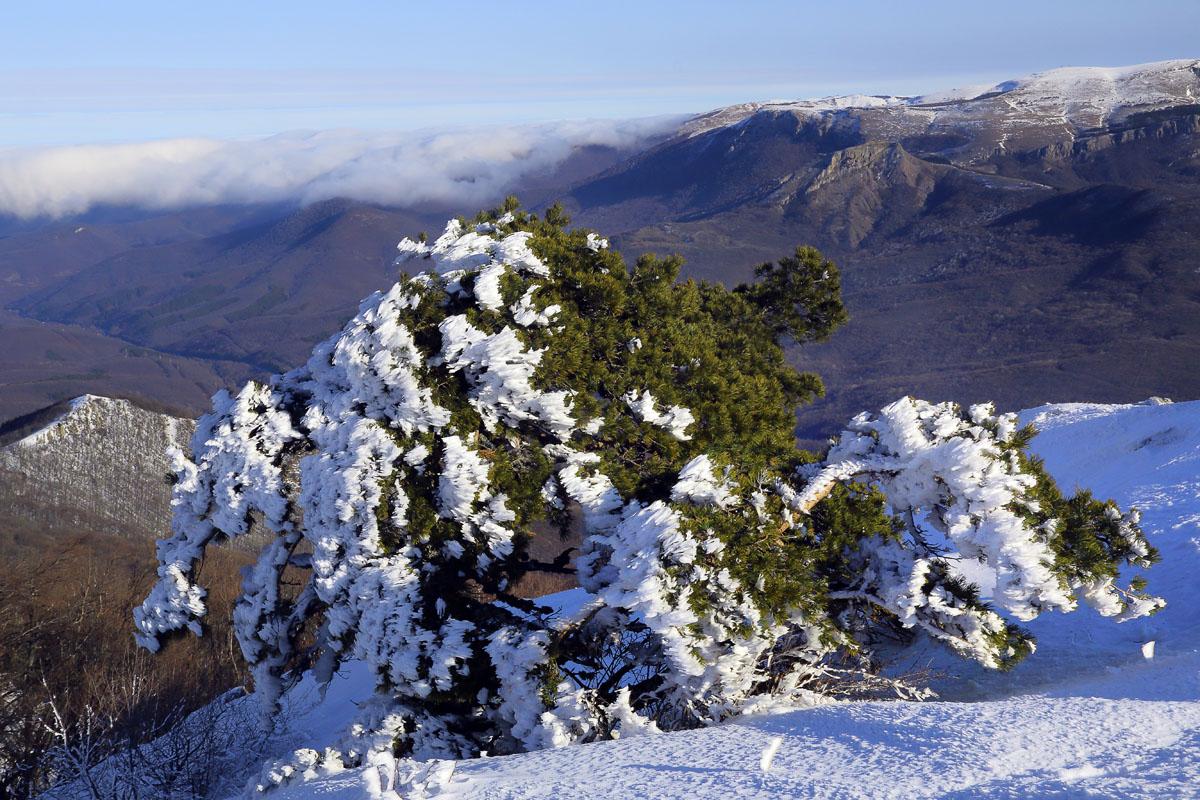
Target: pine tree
{"points": [[527, 374]]}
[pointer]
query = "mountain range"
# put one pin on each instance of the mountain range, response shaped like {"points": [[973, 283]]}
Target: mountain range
{"points": [[1026, 242]]}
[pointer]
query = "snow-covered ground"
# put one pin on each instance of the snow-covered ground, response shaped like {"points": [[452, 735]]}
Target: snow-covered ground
{"points": [[1100, 710]]}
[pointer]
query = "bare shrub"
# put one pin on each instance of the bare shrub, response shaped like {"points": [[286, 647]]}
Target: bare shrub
{"points": [[74, 688]]}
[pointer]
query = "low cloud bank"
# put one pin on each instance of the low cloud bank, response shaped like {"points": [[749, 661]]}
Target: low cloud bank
{"points": [[464, 166]]}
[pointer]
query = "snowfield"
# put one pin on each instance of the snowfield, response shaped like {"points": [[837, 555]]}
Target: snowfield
{"points": [[1101, 710]]}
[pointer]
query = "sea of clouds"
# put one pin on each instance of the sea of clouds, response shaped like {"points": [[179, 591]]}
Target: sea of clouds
{"points": [[458, 167]]}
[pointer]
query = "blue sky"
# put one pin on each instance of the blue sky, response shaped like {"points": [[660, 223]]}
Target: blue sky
{"points": [[74, 72]]}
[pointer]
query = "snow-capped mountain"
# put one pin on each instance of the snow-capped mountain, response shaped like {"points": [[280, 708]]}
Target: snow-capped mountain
{"points": [[1021, 114], [1025, 242], [1052, 116], [99, 464]]}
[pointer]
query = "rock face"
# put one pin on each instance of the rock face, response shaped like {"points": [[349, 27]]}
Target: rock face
{"points": [[102, 465]]}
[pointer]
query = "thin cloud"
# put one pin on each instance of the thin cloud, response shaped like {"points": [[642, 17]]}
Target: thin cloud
{"points": [[463, 166]]}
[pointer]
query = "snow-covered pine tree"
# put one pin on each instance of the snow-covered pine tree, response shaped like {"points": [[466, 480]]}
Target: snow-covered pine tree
{"points": [[527, 374]]}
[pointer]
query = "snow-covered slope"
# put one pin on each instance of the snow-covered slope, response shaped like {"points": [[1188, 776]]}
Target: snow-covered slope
{"points": [[102, 464], [1100, 710]]}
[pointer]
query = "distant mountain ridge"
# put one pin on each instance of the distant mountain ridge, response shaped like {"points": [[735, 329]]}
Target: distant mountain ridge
{"points": [[1054, 104], [1028, 129], [1031, 241]]}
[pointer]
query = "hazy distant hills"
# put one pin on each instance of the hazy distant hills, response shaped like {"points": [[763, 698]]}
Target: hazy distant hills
{"points": [[261, 295], [1037, 240]]}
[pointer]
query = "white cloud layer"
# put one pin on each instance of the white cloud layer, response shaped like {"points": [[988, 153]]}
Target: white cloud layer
{"points": [[464, 166]]}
